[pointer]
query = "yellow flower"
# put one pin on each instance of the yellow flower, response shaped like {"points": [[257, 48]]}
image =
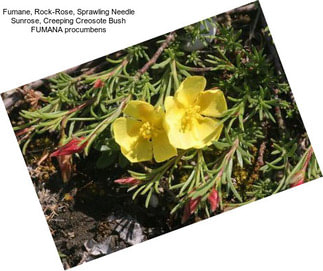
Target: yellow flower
{"points": [[190, 115], [141, 134]]}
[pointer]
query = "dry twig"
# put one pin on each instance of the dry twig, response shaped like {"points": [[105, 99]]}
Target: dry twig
{"points": [[154, 58]]}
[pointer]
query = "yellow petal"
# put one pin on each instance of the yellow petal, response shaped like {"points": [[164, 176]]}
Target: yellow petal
{"points": [[145, 112], [189, 90], [206, 130], [173, 125], [162, 149], [140, 151], [126, 131], [139, 110], [212, 103], [156, 118], [169, 103], [182, 140]]}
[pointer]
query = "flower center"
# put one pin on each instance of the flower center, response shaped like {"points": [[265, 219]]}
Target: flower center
{"points": [[190, 114], [146, 130]]}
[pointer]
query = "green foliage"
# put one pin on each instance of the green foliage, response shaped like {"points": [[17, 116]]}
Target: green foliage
{"points": [[261, 113]]}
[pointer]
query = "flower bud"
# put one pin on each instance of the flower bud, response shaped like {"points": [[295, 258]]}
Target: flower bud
{"points": [[98, 84], [71, 147], [298, 178], [186, 214], [297, 183], [190, 208], [128, 181], [213, 199], [193, 203]]}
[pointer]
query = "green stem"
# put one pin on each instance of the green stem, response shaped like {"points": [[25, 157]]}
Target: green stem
{"points": [[174, 73]]}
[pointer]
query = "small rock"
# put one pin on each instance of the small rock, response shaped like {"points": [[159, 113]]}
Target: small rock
{"points": [[71, 235], [153, 202], [98, 249], [129, 230]]}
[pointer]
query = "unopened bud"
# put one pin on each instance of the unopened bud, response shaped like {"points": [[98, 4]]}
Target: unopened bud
{"points": [[127, 181], [98, 84], [213, 199]]}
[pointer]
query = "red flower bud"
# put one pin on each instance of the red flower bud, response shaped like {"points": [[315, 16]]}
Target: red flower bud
{"points": [[298, 178], [71, 147], [186, 214], [129, 181], [297, 183], [213, 199], [98, 84], [190, 208], [193, 204]]}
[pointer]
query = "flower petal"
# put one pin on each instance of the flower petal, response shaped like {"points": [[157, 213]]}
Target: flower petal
{"points": [[162, 149], [157, 117], [173, 125], [212, 103], [126, 132], [139, 110], [170, 103], [140, 151], [189, 90], [206, 130]]}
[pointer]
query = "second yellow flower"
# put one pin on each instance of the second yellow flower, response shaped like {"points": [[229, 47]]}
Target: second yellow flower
{"points": [[190, 118]]}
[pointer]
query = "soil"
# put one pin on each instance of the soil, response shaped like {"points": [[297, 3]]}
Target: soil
{"points": [[91, 210], [90, 216]]}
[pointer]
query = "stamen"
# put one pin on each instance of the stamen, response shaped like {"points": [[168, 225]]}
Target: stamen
{"points": [[190, 114], [146, 130]]}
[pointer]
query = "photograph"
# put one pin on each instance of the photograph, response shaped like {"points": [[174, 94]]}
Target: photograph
{"points": [[160, 135]]}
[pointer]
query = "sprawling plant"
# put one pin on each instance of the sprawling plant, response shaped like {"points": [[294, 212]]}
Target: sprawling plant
{"points": [[200, 116]]}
